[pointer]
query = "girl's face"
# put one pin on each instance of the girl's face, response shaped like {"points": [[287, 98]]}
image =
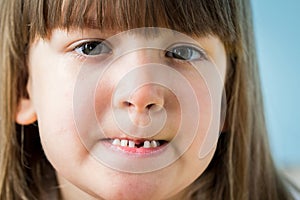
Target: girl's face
{"points": [[125, 118]]}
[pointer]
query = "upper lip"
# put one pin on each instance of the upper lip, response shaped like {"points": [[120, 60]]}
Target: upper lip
{"points": [[137, 140]]}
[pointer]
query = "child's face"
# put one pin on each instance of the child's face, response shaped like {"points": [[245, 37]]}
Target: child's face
{"points": [[109, 115]]}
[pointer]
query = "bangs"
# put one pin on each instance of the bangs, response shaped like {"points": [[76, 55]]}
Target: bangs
{"points": [[192, 17]]}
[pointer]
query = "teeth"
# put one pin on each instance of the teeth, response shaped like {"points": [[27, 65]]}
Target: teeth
{"points": [[116, 142], [131, 144], [124, 143], [147, 144], [154, 143]]}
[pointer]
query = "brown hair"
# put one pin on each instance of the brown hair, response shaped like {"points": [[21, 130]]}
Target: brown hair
{"points": [[242, 167]]}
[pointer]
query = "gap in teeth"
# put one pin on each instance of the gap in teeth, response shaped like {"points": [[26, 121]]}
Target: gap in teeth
{"points": [[132, 144]]}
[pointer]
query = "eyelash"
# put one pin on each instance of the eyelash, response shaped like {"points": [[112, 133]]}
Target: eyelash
{"points": [[95, 48], [179, 52], [193, 53]]}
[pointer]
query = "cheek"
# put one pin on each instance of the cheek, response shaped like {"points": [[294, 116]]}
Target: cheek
{"points": [[58, 130], [204, 106], [51, 87]]}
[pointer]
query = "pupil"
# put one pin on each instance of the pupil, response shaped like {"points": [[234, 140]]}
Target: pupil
{"points": [[91, 49]]}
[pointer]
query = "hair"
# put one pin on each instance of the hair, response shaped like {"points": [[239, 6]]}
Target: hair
{"points": [[242, 167]]}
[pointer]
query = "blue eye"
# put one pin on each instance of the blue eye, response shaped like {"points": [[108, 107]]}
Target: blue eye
{"points": [[185, 52], [93, 48]]}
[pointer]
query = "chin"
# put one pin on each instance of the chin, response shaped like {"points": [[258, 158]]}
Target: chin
{"points": [[134, 187]]}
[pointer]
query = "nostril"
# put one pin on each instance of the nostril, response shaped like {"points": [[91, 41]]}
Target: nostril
{"points": [[149, 106], [154, 107], [127, 104]]}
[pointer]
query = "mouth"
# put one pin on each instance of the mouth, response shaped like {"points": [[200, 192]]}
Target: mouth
{"points": [[135, 147]]}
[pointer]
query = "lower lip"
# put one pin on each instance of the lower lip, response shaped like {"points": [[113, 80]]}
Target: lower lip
{"points": [[135, 151]]}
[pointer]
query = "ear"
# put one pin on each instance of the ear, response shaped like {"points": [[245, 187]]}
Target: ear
{"points": [[25, 114]]}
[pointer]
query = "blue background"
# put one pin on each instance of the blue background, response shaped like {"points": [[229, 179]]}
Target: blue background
{"points": [[277, 30]]}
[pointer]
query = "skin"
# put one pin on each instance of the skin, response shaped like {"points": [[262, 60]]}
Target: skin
{"points": [[54, 65]]}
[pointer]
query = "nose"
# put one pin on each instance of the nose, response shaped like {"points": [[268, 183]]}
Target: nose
{"points": [[138, 92], [142, 105], [146, 98], [138, 89]]}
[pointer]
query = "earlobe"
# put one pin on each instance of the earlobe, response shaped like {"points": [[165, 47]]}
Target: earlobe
{"points": [[25, 113]]}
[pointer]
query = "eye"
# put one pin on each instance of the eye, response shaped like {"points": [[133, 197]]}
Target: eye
{"points": [[185, 52], [93, 48]]}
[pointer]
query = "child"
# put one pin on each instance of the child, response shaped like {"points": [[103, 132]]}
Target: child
{"points": [[96, 103]]}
